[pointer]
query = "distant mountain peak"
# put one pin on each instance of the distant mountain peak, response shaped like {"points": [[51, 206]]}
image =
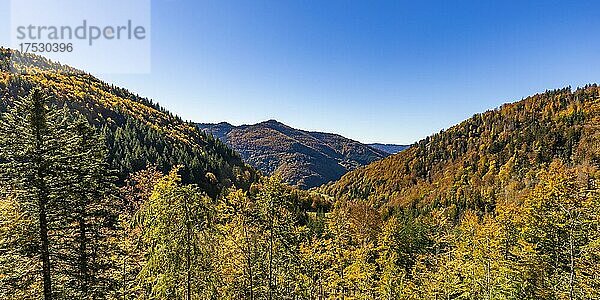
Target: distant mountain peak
{"points": [[302, 158], [273, 123]]}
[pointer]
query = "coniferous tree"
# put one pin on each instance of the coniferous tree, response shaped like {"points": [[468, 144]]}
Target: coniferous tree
{"points": [[35, 143], [393, 277], [280, 215], [55, 169], [131, 249], [19, 277], [93, 211]]}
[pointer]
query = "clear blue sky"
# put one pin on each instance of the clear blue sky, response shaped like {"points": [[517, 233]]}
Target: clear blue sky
{"points": [[374, 71]]}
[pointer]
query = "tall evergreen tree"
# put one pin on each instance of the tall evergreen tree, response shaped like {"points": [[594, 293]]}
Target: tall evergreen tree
{"points": [[34, 143], [92, 208], [53, 164]]}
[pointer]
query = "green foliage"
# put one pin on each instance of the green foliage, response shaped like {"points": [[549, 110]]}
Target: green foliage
{"points": [[176, 224], [502, 206], [59, 194], [138, 132]]}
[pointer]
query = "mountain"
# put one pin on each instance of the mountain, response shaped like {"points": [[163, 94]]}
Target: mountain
{"points": [[302, 158], [504, 205], [510, 194], [481, 160], [388, 148], [139, 133]]}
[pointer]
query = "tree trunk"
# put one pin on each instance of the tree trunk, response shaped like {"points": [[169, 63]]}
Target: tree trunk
{"points": [[125, 289], [188, 225], [248, 260], [39, 116], [271, 250], [44, 251], [83, 265], [572, 258]]}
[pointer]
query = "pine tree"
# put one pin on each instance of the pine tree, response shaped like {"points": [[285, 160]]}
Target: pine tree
{"points": [[393, 276], [34, 144], [93, 210], [243, 248], [55, 166], [280, 214]]}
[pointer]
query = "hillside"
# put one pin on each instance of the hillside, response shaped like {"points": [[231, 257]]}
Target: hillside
{"points": [[477, 162], [504, 205], [138, 132], [501, 206], [388, 148], [302, 158]]}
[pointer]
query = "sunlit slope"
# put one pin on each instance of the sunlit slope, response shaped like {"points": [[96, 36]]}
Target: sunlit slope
{"points": [[139, 132], [488, 156]]}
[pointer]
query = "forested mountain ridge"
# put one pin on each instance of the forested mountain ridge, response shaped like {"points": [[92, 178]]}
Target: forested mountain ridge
{"points": [[302, 158], [138, 132], [472, 163], [504, 205]]}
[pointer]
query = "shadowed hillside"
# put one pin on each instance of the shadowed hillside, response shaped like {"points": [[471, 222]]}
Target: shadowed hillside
{"points": [[302, 158]]}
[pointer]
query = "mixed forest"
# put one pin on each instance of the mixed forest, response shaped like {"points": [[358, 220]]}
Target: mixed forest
{"points": [[299, 158], [106, 195]]}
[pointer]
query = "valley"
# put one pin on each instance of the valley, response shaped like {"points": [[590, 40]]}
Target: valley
{"points": [[105, 194]]}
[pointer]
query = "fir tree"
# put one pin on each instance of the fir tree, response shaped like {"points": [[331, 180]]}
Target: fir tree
{"points": [[34, 144]]}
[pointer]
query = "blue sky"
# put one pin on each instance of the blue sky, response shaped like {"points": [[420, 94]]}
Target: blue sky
{"points": [[374, 71]]}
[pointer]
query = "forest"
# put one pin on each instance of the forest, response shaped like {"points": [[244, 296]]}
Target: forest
{"points": [[105, 195]]}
